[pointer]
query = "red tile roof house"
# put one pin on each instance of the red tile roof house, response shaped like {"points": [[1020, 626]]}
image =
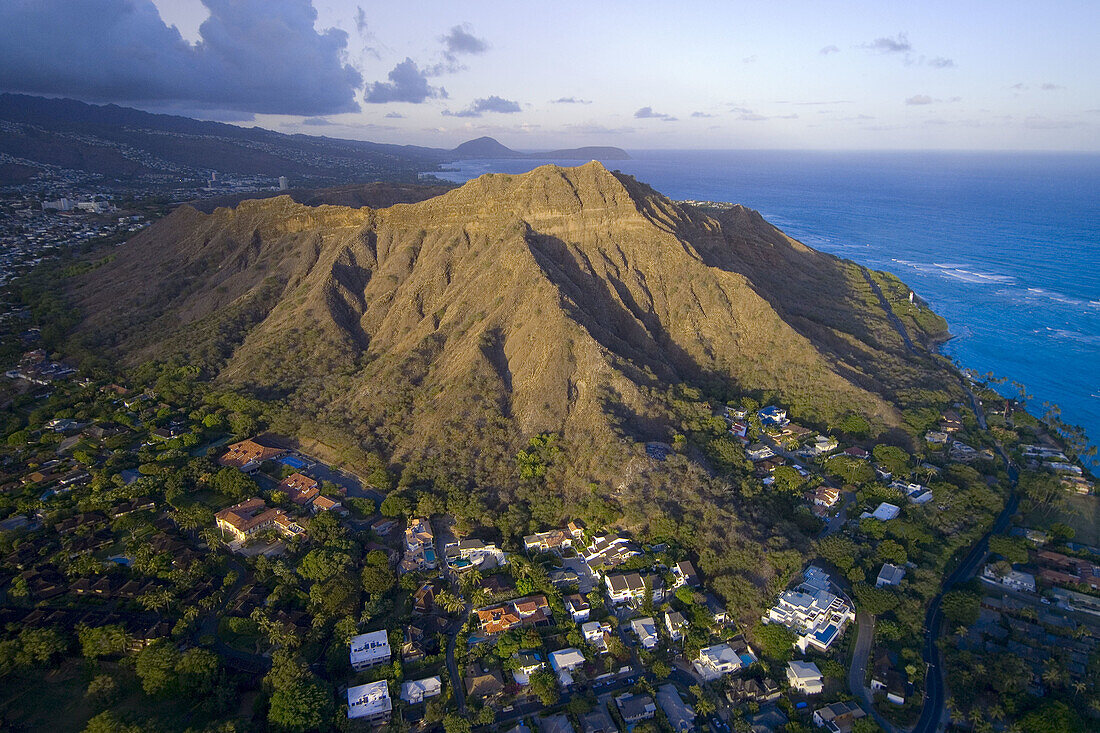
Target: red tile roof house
{"points": [[301, 489], [249, 454], [253, 516]]}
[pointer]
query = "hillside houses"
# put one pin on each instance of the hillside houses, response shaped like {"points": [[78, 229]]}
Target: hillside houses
{"points": [[625, 588], [607, 551], [368, 650], [554, 540]]}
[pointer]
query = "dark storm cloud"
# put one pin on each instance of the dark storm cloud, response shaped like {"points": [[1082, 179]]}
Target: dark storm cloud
{"points": [[255, 56], [491, 103], [647, 113], [407, 83]]}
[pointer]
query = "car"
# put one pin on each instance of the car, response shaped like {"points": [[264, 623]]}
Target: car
{"points": [[1044, 601]]}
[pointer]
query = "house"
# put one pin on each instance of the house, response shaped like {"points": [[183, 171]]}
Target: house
{"points": [[482, 683], [1014, 579], [247, 455], [300, 489], [577, 607], [287, 526], [607, 551], [564, 661], [249, 517], [676, 624], [680, 716], [370, 703], [759, 452], [646, 631], [805, 677], [921, 497], [812, 611], [597, 634], [951, 422], [889, 575], [554, 540], [420, 639], [838, 717], [555, 724], [936, 437], [625, 587], [368, 650], [886, 678], [959, 451], [498, 585], [772, 415], [749, 690], [526, 664], [739, 429], [598, 721], [324, 504], [635, 708], [417, 691], [419, 546], [528, 611], [715, 608], [826, 496], [576, 529], [884, 512], [684, 573], [718, 660], [822, 445], [424, 597]]}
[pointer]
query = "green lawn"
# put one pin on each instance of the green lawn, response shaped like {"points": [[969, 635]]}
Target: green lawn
{"points": [[1083, 514]]}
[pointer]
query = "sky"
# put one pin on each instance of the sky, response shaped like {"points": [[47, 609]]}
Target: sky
{"points": [[790, 74]]}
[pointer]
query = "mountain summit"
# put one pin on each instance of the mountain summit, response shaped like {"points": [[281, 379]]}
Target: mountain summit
{"points": [[565, 300]]}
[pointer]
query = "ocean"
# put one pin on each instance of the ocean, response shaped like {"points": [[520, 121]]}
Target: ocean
{"points": [[1005, 246]]}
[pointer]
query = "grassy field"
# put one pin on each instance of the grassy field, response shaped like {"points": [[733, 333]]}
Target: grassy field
{"points": [[1082, 513]]}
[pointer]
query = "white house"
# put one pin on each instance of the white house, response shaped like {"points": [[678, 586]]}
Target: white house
{"points": [[812, 611], [646, 631], [889, 575], [578, 608], [597, 634], [1014, 579], [805, 677], [759, 452], [676, 624], [885, 512], [920, 497], [417, 691], [625, 587], [370, 649], [370, 702], [715, 661], [563, 661]]}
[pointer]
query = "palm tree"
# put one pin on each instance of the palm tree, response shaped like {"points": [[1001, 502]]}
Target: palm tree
{"points": [[449, 602]]}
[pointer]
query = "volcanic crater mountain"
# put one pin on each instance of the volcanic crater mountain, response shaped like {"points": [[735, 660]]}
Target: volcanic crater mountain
{"points": [[564, 300]]}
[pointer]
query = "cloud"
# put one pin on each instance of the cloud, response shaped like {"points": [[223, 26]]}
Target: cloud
{"points": [[491, 103], [570, 100], [360, 20], [1019, 86], [940, 62], [394, 116], [593, 128], [752, 117], [459, 41], [828, 50], [647, 113], [886, 44], [254, 56], [407, 83], [1049, 87], [918, 99], [316, 121], [701, 114], [749, 59]]}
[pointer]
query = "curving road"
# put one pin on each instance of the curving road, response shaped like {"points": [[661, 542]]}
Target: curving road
{"points": [[857, 672], [933, 714]]}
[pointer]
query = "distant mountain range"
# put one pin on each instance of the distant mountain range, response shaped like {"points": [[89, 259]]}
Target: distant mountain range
{"points": [[134, 146]]}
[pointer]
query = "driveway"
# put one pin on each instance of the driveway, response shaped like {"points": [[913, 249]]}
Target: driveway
{"points": [[857, 672]]}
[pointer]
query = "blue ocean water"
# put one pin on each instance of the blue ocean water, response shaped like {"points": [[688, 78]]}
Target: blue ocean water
{"points": [[1005, 246]]}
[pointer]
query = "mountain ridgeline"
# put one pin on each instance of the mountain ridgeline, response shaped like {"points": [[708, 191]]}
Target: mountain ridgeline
{"points": [[573, 301]]}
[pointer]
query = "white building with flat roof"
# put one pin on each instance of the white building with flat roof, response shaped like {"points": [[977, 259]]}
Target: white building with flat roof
{"points": [[715, 661], [370, 702], [370, 649], [646, 631], [805, 677]]}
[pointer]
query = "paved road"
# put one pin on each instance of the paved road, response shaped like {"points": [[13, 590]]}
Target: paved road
{"points": [[898, 325], [857, 672], [934, 714]]}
